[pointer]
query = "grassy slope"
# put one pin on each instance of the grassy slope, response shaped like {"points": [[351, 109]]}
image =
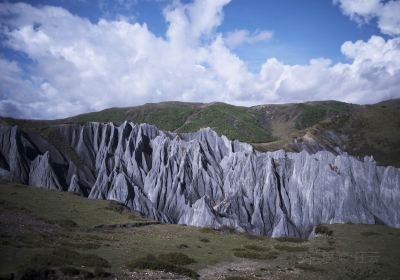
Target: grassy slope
{"points": [[233, 121], [216, 254], [371, 130]]}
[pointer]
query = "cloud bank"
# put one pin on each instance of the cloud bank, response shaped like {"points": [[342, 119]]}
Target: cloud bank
{"points": [[387, 13], [73, 65]]}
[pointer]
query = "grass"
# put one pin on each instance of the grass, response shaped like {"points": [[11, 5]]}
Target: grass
{"points": [[309, 267], [282, 247], [291, 239], [176, 258], [154, 263], [235, 122], [254, 247], [269, 255], [63, 256], [314, 112], [74, 211], [369, 233], [68, 248]]}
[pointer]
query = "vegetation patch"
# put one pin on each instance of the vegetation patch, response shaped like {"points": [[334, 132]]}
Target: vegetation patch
{"points": [[62, 256], [269, 255], [291, 239], [254, 247], [116, 207], [153, 263], [308, 267], [239, 278], [282, 247], [326, 248], [176, 258], [183, 246], [205, 240], [322, 229], [66, 272], [369, 233], [208, 230]]}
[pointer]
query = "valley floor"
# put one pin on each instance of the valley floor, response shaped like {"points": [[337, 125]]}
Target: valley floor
{"points": [[53, 235]]}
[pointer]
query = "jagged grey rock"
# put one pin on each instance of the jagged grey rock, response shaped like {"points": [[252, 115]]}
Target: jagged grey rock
{"points": [[203, 179]]}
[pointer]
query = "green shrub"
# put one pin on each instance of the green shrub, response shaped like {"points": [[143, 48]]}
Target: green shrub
{"points": [[256, 237], [207, 230], [291, 239], [64, 223], [326, 248], [183, 246], [176, 258], [322, 229], [117, 207], [291, 248], [270, 255]]}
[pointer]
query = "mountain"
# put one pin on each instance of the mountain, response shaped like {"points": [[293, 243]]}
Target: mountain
{"points": [[201, 178], [360, 130]]}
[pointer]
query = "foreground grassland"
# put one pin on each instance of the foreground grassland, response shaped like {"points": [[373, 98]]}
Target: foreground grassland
{"points": [[50, 233]]}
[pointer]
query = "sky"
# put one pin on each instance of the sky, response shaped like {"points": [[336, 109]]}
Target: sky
{"points": [[60, 58]]}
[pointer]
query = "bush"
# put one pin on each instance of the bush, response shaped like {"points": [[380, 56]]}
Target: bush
{"points": [[207, 230], [255, 248], [321, 229], [291, 239], [153, 263], [290, 248], [227, 229], [256, 255], [61, 256], [176, 258], [117, 207], [205, 240]]}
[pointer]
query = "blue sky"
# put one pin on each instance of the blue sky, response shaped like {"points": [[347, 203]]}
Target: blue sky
{"points": [[243, 52]]}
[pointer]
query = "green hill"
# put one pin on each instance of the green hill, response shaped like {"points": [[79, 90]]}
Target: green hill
{"points": [[363, 129]]}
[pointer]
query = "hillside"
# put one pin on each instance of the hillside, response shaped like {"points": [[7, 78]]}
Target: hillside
{"points": [[359, 130], [53, 235]]}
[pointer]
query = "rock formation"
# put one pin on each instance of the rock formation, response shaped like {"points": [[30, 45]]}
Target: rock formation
{"points": [[202, 179]]}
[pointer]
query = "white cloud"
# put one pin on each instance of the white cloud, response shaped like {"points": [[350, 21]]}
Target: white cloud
{"points": [[386, 12], [79, 66], [243, 36]]}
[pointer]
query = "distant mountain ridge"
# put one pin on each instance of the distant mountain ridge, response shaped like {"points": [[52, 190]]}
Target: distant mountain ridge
{"points": [[360, 130]]}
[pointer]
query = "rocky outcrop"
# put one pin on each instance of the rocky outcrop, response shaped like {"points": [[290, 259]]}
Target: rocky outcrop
{"points": [[203, 179]]}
